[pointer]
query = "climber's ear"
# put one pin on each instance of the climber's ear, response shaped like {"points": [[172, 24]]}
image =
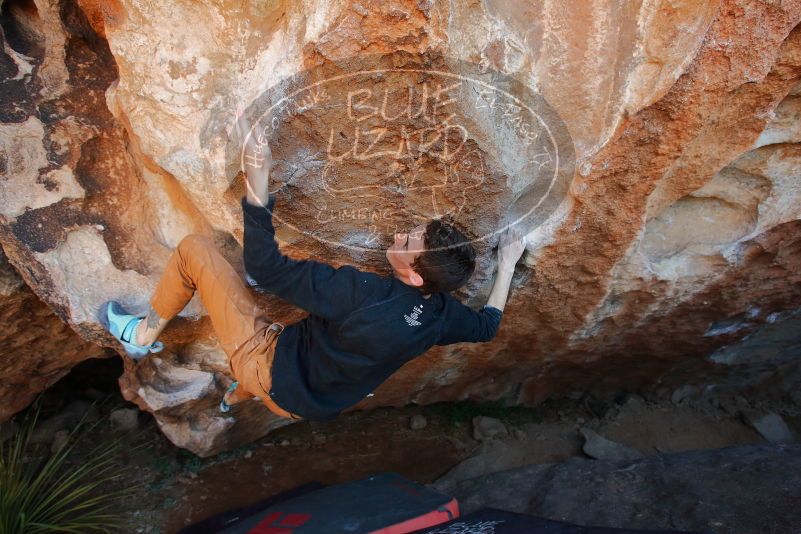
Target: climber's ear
{"points": [[415, 279]]}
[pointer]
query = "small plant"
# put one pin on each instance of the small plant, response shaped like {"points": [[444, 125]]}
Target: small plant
{"points": [[43, 492]]}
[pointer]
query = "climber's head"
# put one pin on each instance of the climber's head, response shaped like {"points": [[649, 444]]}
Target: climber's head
{"points": [[433, 257]]}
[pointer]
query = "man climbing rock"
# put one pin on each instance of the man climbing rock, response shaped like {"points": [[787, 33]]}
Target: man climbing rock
{"points": [[361, 327]]}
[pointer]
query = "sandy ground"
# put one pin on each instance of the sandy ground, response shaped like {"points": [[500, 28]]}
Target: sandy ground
{"points": [[174, 488], [186, 489]]}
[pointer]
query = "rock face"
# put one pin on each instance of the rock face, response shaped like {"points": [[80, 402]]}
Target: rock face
{"points": [[706, 486], [36, 347], [649, 149]]}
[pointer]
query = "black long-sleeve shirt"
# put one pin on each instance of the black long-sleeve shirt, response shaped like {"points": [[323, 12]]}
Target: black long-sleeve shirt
{"points": [[362, 327]]}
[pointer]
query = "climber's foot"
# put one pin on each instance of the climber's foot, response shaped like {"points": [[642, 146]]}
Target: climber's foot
{"points": [[122, 326], [229, 393]]}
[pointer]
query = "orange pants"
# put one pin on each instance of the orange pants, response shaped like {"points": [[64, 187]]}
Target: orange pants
{"points": [[246, 335]]}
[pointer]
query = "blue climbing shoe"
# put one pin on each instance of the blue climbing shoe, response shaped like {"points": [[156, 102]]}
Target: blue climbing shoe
{"points": [[224, 406], [122, 326]]}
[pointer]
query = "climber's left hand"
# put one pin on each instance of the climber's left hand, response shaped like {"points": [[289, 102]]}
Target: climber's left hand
{"points": [[256, 158]]}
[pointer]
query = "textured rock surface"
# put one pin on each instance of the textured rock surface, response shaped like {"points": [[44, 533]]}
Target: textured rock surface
{"points": [[687, 491], [679, 233], [36, 347]]}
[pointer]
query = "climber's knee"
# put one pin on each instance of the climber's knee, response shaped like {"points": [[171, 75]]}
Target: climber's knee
{"points": [[193, 242]]}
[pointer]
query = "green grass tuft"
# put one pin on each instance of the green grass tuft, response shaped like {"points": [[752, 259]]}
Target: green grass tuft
{"points": [[44, 492]]}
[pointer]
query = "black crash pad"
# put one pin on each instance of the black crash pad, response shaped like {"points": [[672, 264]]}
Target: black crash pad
{"points": [[492, 521]]}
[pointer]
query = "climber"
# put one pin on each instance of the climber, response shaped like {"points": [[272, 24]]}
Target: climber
{"points": [[362, 327]]}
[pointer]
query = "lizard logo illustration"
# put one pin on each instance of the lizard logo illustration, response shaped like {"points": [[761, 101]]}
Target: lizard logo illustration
{"points": [[374, 145], [441, 191]]}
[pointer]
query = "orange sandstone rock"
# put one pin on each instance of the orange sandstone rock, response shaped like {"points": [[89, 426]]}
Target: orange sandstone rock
{"points": [[672, 231]]}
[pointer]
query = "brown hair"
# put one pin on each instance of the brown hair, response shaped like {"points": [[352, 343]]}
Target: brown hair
{"points": [[448, 260]]}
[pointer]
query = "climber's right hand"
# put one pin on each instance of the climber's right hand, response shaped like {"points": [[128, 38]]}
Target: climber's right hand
{"points": [[510, 248]]}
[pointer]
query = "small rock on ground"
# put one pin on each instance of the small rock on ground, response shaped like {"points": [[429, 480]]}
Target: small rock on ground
{"points": [[418, 422], [684, 392], [457, 443], [67, 419], [60, 439], [488, 427], [635, 401], [771, 426], [600, 448], [125, 419]]}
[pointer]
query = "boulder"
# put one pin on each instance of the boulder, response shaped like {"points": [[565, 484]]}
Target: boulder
{"points": [[648, 150], [726, 491], [491, 457]]}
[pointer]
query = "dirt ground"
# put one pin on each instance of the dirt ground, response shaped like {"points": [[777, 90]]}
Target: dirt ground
{"points": [[173, 488]]}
